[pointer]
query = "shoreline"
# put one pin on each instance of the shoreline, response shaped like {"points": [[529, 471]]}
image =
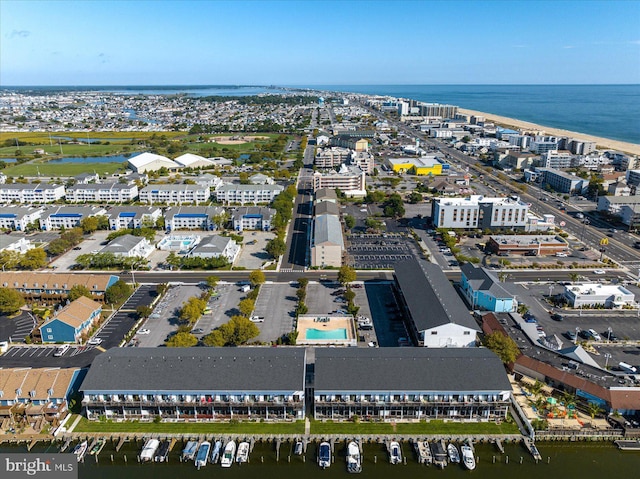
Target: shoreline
{"points": [[606, 143]]}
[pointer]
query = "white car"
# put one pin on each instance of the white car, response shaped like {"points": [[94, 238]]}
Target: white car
{"points": [[594, 335], [143, 331], [94, 341], [599, 271], [561, 255], [257, 319]]}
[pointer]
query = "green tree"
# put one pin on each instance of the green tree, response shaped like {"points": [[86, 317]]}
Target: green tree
{"points": [[9, 259], [594, 409], [346, 275], [221, 219], [246, 306], [275, 247], [244, 178], [144, 311], [349, 221], [35, 258], [375, 196], [78, 290], [415, 197], [505, 347], [192, 310], [89, 224], [394, 206], [301, 308], [349, 295], [212, 281], [303, 282], [181, 340], [238, 330], [301, 294], [58, 246], [118, 292], [10, 301], [256, 277]]}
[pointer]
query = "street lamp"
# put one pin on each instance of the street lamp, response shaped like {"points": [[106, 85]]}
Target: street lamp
{"points": [[607, 356], [609, 331], [575, 341]]}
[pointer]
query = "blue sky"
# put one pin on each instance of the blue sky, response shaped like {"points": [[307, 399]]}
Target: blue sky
{"points": [[203, 42]]}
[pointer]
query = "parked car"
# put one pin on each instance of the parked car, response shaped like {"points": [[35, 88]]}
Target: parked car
{"points": [[257, 319], [198, 330], [571, 335], [557, 317], [594, 335], [143, 331], [609, 335], [61, 350], [599, 271], [95, 341]]}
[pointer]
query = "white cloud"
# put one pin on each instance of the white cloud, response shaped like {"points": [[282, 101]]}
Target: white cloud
{"points": [[19, 33]]}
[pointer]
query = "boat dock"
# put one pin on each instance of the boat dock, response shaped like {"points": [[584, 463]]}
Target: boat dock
{"points": [[628, 445], [531, 447], [499, 445], [423, 451]]}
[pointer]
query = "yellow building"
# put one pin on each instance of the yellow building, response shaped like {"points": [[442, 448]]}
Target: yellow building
{"points": [[416, 166]]}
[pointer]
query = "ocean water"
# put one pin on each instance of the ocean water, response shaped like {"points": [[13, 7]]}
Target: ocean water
{"points": [[609, 111]]}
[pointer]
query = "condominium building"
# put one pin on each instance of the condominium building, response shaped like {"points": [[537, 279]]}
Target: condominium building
{"points": [[557, 159], [68, 216], [192, 217], [252, 218], [130, 217], [31, 193], [216, 247], [18, 217], [542, 144], [331, 157], [102, 192], [243, 194], [562, 182], [174, 194], [476, 211], [55, 286], [349, 179]]}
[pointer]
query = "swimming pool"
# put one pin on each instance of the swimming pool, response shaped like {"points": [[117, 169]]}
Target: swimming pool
{"points": [[338, 333]]}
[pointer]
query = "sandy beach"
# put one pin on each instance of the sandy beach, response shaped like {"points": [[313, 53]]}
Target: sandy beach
{"points": [[602, 143]]}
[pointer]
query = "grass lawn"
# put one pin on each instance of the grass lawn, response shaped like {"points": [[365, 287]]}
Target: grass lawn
{"points": [[196, 428], [42, 137], [432, 427], [61, 169]]}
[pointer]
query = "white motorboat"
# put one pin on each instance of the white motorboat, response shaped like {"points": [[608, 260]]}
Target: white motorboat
{"points": [[467, 457], [149, 450], [243, 452], [298, 448], [354, 460], [324, 455], [453, 453], [189, 451], [228, 454], [203, 454], [80, 450], [215, 452], [395, 453]]}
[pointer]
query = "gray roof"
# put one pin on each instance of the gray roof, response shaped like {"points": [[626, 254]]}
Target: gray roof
{"points": [[234, 187], [173, 187], [101, 186], [409, 369], [211, 244], [326, 208], [29, 186], [266, 213], [327, 229], [482, 279], [326, 194], [138, 211], [197, 369], [122, 244], [431, 299], [6, 241]]}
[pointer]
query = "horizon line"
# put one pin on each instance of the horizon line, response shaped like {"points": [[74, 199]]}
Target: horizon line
{"points": [[205, 85]]}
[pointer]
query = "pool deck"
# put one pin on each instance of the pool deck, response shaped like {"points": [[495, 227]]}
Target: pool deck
{"points": [[327, 323]]}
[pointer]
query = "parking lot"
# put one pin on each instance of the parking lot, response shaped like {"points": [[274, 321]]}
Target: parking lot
{"points": [[114, 331], [145, 295], [370, 251], [252, 254], [387, 319], [164, 319], [42, 356], [276, 304], [16, 328], [223, 304]]}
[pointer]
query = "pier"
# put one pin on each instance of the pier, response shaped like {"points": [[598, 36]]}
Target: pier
{"points": [[531, 447]]}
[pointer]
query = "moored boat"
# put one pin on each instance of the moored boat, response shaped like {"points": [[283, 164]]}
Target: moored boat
{"points": [[243, 452], [189, 451], [163, 452], [149, 450], [354, 460], [80, 450], [324, 455], [97, 447], [395, 453], [203, 454], [228, 454], [215, 452], [298, 448], [453, 453], [467, 457]]}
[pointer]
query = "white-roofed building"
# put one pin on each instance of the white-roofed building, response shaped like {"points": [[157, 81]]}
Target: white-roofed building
{"points": [[174, 194], [102, 192], [260, 179], [252, 218], [189, 160], [350, 180], [192, 217], [151, 162], [242, 194], [208, 180], [596, 294], [15, 243]]}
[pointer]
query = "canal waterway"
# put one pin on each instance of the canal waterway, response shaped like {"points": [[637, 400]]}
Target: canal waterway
{"points": [[565, 460], [92, 159]]}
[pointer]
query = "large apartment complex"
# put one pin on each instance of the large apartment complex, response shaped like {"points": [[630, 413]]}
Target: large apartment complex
{"points": [[479, 212]]}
